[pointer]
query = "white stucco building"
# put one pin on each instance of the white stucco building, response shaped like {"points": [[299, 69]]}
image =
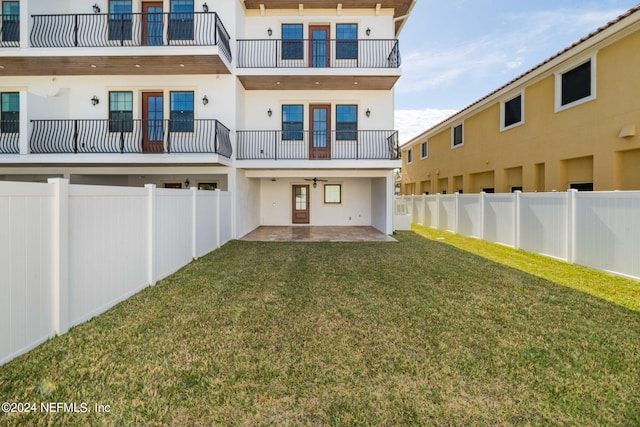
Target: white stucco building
{"points": [[287, 104]]}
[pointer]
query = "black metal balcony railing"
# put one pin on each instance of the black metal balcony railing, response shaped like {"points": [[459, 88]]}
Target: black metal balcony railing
{"points": [[9, 30], [296, 145], [9, 137], [131, 29], [278, 53], [130, 136]]}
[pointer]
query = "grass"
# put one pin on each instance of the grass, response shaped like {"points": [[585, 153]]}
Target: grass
{"points": [[616, 289], [410, 333]]}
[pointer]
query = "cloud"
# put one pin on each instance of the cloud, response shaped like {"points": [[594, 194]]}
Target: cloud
{"points": [[411, 123]]}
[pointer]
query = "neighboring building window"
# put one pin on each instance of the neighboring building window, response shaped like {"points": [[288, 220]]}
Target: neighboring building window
{"points": [[181, 115], [512, 112], [516, 188], [120, 20], [181, 20], [489, 190], [120, 111], [292, 122], [10, 120], [207, 186], [346, 41], [576, 85], [10, 21], [333, 194], [457, 136], [410, 155], [292, 41], [346, 122], [582, 186], [424, 150]]}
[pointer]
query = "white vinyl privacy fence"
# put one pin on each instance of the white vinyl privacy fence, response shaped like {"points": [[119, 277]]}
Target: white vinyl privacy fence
{"points": [[600, 230], [70, 252]]}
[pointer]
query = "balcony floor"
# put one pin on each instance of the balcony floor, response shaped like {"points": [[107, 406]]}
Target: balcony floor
{"points": [[317, 234]]}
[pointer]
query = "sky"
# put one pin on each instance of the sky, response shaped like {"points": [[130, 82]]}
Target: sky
{"points": [[455, 52]]}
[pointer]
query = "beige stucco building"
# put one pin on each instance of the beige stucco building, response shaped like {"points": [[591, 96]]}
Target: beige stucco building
{"points": [[570, 122]]}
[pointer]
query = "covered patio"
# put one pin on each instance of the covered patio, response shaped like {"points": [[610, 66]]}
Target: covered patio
{"points": [[317, 234]]}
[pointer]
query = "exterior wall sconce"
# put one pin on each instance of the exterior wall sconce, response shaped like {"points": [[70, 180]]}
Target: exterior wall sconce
{"points": [[205, 100], [205, 7], [270, 31], [269, 112], [95, 101], [368, 32], [187, 182], [96, 8], [368, 112]]}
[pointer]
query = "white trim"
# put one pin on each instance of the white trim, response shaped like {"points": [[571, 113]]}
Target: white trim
{"points": [[453, 133], [502, 115], [558, 83], [426, 144]]}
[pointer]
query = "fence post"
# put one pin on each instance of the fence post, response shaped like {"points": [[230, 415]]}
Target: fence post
{"points": [[218, 192], [456, 206], [516, 219], [151, 233], [571, 225], [194, 222], [482, 213], [60, 266]]}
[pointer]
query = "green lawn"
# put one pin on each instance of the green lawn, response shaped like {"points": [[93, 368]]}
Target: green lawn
{"points": [[408, 333]]}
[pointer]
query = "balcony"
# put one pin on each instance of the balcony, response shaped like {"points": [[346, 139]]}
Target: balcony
{"points": [[9, 30], [129, 136], [317, 145], [9, 137], [278, 53]]}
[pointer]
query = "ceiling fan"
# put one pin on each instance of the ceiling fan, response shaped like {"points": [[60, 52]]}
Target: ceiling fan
{"points": [[315, 181]]}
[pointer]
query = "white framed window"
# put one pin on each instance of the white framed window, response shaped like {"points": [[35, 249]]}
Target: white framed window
{"points": [[575, 84], [512, 112], [410, 155], [424, 150], [457, 135]]}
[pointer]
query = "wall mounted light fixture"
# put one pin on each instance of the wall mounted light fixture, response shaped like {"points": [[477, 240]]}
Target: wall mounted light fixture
{"points": [[205, 7], [95, 101], [205, 100], [368, 31], [368, 112], [96, 8], [187, 182], [269, 112], [270, 31]]}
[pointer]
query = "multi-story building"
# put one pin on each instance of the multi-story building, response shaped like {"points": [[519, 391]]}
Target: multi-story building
{"points": [[570, 122], [287, 104]]}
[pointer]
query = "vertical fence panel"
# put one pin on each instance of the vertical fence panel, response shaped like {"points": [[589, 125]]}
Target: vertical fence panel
{"points": [[499, 218], [206, 222], [543, 223], [225, 217], [173, 231], [25, 277], [608, 231], [469, 215], [447, 212]]}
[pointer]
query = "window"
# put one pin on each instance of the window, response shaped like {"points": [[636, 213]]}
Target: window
{"points": [[181, 115], [346, 41], [424, 150], [10, 120], [292, 116], [292, 41], [346, 122], [332, 194], [582, 186], [576, 85], [120, 20], [511, 113], [10, 21], [457, 136], [181, 20], [410, 155], [120, 111], [207, 186]]}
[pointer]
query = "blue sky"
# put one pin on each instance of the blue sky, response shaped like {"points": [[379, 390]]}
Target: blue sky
{"points": [[455, 52]]}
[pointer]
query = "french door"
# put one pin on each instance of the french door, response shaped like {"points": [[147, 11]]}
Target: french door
{"points": [[319, 47], [152, 23], [320, 137], [300, 204], [152, 123]]}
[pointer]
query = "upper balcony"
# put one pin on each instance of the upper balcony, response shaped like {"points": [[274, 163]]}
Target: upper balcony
{"points": [[153, 42]]}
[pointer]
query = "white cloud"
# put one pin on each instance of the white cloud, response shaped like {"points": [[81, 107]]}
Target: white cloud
{"points": [[411, 123]]}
